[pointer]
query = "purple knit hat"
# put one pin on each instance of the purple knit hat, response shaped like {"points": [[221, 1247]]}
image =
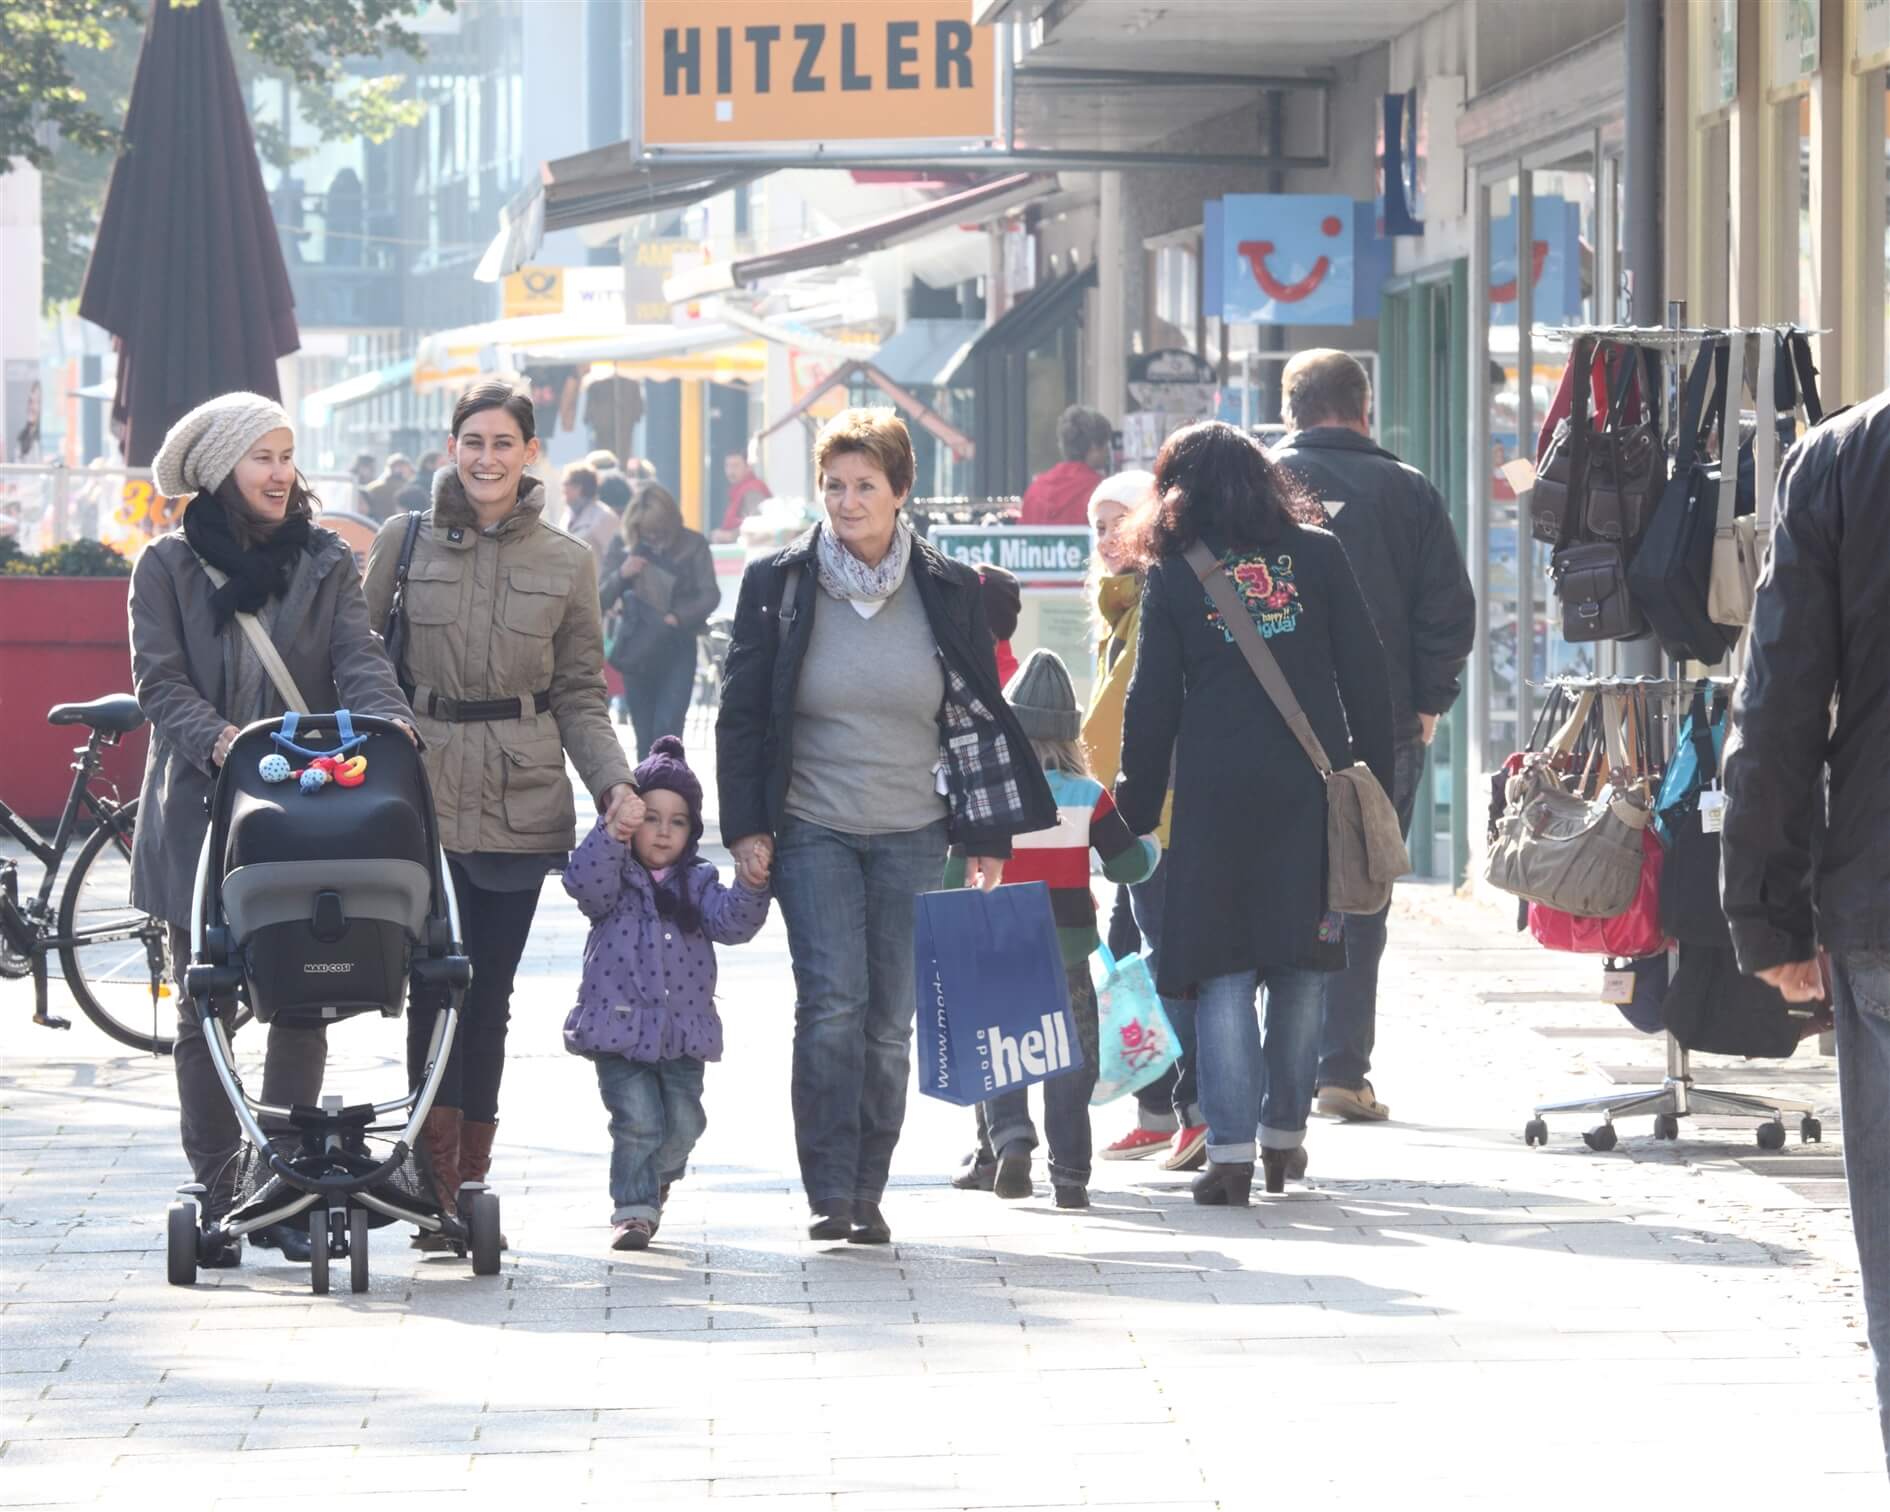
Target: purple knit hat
{"points": [[665, 767]]}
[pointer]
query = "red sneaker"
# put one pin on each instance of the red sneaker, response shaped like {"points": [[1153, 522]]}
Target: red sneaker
{"points": [[1187, 1151], [1137, 1144]]}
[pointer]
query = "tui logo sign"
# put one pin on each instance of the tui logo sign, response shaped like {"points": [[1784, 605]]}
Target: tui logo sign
{"points": [[1287, 259], [732, 73]]}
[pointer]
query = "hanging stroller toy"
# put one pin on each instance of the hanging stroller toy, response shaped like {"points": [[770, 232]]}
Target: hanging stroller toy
{"points": [[313, 907]]}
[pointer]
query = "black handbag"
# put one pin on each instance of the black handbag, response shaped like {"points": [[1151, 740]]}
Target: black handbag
{"points": [[1669, 576], [1601, 485], [1690, 908], [1711, 1006], [1592, 582]]}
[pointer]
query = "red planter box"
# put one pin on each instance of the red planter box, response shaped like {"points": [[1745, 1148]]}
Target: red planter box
{"points": [[62, 640]]}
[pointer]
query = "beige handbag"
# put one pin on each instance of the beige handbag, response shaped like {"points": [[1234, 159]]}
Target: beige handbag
{"points": [[1555, 846], [1739, 542], [263, 646], [1365, 851]]}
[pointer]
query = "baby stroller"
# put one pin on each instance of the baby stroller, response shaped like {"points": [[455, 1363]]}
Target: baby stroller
{"points": [[322, 893]]}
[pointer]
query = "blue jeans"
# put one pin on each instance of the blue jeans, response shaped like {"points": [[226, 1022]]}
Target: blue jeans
{"points": [[1251, 1082], [1005, 1119], [1171, 1100], [658, 696], [1860, 999], [1351, 1027], [656, 1118], [848, 902]]}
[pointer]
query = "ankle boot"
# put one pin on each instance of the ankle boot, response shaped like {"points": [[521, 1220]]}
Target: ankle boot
{"points": [[1281, 1166], [1224, 1185], [439, 1153], [475, 1157]]}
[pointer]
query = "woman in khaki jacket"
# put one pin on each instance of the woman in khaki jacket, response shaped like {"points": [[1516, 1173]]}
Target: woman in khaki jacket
{"points": [[504, 653]]}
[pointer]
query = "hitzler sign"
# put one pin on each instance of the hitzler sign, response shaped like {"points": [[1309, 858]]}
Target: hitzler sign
{"points": [[735, 74]]}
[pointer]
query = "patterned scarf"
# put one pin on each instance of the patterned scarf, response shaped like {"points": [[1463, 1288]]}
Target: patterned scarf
{"points": [[844, 576]]}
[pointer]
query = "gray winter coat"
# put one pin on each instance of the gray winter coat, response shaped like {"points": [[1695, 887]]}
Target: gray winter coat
{"points": [[184, 671]]}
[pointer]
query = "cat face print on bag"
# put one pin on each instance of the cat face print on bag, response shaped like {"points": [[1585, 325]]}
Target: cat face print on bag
{"points": [[1268, 591]]}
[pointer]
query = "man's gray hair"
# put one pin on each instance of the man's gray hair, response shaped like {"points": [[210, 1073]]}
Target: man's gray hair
{"points": [[1324, 386], [1080, 430]]}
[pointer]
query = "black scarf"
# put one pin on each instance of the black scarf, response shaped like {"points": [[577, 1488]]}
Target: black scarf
{"points": [[255, 575]]}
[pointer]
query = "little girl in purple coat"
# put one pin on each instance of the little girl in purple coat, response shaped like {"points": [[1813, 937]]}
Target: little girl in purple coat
{"points": [[645, 1014]]}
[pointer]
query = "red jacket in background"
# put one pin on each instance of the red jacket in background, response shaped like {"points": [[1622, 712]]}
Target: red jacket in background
{"points": [[1007, 663], [740, 504], [1060, 496]]}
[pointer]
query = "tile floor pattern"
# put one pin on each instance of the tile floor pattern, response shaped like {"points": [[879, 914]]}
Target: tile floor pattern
{"points": [[1443, 1318]]}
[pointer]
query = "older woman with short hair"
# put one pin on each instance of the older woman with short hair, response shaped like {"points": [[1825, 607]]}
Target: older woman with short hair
{"points": [[854, 650]]}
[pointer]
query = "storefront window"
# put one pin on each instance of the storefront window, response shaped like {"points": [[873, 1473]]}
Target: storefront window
{"points": [[1807, 259], [1503, 608]]}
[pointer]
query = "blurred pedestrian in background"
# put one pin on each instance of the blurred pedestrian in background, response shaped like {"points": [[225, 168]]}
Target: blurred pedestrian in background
{"points": [[1060, 495], [381, 498], [585, 516], [660, 578], [745, 493]]}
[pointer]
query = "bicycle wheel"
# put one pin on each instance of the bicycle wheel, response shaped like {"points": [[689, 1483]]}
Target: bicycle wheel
{"points": [[117, 953]]}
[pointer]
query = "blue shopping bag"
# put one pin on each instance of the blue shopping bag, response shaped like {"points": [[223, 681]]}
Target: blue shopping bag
{"points": [[993, 1001], [1135, 1041]]}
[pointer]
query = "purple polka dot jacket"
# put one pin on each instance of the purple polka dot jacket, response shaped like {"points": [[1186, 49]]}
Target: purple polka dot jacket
{"points": [[648, 992]]}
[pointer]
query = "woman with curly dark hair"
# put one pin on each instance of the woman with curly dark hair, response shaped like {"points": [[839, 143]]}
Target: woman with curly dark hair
{"points": [[1247, 880]]}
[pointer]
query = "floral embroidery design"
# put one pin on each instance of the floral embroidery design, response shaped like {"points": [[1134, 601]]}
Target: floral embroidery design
{"points": [[1268, 591]]}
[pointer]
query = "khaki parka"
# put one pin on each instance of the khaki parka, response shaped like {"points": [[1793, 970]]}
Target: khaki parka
{"points": [[508, 614]]}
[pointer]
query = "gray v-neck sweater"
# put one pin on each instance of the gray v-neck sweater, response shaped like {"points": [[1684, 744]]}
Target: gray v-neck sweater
{"points": [[866, 736]]}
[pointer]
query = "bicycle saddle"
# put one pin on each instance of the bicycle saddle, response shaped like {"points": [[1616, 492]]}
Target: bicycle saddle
{"points": [[114, 714]]}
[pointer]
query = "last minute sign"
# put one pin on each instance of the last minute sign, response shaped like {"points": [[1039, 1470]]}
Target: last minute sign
{"points": [[724, 73]]}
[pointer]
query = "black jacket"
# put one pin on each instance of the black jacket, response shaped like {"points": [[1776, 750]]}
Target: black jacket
{"points": [[1247, 858], [754, 730], [1821, 628], [1410, 568]]}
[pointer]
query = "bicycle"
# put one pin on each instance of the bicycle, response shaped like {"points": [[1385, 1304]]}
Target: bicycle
{"points": [[112, 956]]}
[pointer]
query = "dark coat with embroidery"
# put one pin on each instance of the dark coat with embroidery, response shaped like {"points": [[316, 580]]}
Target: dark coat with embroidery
{"points": [[754, 731], [1247, 858]]}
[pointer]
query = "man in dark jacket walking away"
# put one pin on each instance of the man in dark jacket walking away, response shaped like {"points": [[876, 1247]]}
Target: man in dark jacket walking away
{"points": [[1806, 846], [1397, 532]]}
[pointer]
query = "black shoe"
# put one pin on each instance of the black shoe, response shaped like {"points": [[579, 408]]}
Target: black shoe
{"points": [[220, 1253], [291, 1239], [1072, 1196], [1224, 1185], [832, 1221], [869, 1225], [1012, 1180], [976, 1176], [1282, 1166]]}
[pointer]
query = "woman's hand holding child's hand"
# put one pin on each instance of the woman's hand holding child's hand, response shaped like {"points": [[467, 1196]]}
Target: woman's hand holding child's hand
{"points": [[623, 812], [752, 867]]}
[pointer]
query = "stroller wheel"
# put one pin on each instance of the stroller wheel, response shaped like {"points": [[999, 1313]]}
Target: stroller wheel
{"points": [[318, 1251], [483, 1224], [357, 1250], [180, 1244]]}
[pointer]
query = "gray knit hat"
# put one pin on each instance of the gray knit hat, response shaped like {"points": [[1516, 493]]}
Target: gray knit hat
{"points": [[203, 448], [1044, 698]]}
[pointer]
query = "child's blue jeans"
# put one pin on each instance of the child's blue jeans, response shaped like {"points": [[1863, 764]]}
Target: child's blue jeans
{"points": [[656, 1118]]}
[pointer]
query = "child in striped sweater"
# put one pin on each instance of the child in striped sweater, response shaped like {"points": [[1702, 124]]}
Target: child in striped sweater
{"points": [[1045, 701]]}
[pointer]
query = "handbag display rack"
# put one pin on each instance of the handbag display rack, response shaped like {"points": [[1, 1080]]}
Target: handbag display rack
{"points": [[1677, 1096]]}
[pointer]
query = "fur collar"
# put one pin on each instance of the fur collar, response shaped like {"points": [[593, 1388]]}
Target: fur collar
{"points": [[451, 506]]}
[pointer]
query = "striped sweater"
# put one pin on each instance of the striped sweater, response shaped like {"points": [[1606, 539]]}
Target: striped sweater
{"points": [[1086, 820]]}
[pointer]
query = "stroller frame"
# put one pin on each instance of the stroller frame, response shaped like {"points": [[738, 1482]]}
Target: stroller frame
{"points": [[332, 1183]]}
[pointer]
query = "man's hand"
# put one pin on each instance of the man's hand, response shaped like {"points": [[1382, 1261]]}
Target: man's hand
{"points": [[623, 812], [220, 752], [985, 872], [752, 866], [1797, 981], [1427, 727], [753, 853]]}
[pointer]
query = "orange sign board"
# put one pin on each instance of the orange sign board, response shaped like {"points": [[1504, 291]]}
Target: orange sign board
{"points": [[728, 73]]}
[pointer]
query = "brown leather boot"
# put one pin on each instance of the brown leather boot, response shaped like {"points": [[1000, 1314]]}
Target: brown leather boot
{"points": [[440, 1135], [475, 1156]]}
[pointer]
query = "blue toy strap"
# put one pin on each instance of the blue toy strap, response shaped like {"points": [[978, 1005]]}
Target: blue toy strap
{"points": [[346, 740], [290, 720], [344, 729]]}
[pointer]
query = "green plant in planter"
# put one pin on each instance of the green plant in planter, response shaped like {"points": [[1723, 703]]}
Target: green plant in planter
{"points": [[88, 559]]}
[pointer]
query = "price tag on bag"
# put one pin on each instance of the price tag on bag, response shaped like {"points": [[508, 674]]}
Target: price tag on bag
{"points": [[1617, 987], [1712, 811]]}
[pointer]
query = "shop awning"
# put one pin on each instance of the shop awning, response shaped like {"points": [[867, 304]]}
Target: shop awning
{"points": [[981, 202], [1018, 328], [960, 445], [317, 406], [604, 184], [923, 352]]}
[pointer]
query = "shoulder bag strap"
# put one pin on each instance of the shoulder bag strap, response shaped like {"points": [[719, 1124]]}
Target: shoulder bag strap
{"points": [[784, 614], [1735, 401], [1807, 375], [264, 648], [1564, 740], [401, 568], [1583, 361], [1253, 647], [1693, 409]]}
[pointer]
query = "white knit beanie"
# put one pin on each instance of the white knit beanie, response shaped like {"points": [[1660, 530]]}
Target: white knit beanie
{"points": [[203, 448]]}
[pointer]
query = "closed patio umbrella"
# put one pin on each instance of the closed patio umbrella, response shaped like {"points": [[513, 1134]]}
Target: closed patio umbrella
{"points": [[187, 272]]}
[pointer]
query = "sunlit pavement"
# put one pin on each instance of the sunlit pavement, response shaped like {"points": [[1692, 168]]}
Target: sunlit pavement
{"points": [[1444, 1317]]}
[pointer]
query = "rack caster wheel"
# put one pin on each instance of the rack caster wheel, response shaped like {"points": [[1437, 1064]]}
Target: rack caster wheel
{"points": [[1810, 1131], [1535, 1132], [180, 1244], [1772, 1135], [1666, 1126], [1603, 1138]]}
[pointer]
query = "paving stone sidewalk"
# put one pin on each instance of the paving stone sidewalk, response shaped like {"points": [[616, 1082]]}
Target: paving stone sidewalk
{"points": [[1443, 1317]]}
